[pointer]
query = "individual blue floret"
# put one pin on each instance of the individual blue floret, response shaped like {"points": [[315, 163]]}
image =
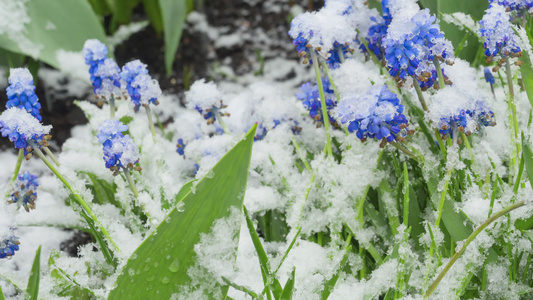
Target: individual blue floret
{"points": [[21, 92], [378, 114], [180, 147], [25, 191], [500, 38], [9, 246], [21, 127], [142, 89]]}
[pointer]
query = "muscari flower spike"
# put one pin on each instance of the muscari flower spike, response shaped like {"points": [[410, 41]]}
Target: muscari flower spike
{"points": [[104, 72], [205, 98], [376, 115], [510, 5], [25, 191], [21, 127], [142, 89], [310, 98], [500, 38], [378, 31], [21, 92], [119, 151], [9, 246]]}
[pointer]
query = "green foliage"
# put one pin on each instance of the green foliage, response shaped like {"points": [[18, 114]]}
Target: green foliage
{"points": [[527, 75], [166, 255], [174, 13], [35, 276], [2, 294], [55, 26]]}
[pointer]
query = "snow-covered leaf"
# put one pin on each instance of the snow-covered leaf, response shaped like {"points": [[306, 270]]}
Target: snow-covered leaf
{"points": [[160, 264]]}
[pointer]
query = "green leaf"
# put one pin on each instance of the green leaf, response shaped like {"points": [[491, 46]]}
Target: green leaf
{"points": [[289, 287], [54, 26], [527, 75], [35, 275], [528, 158], [153, 11], [2, 294], [174, 13], [122, 10], [103, 191], [11, 59], [330, 284], [210, 200]]}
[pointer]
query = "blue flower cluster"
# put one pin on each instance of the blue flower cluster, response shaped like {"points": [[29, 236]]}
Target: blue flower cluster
{"points": [[513, 4], [21, 127], [378, 115], [140, 86], [9, 246], [25, 191], [467, 121], [500, 38], [310, 98], [21, 92], [402, 58], [334, 59], [119, 150], [104, 72], [378, 31]]}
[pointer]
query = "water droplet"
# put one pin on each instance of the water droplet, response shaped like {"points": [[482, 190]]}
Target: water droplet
{"points": [[165, 280], [168, 257], [150, 278], [168, 219], [134, 256], [156, 264], [131, 272], [180, 207], [146, 268], [174, 266]]}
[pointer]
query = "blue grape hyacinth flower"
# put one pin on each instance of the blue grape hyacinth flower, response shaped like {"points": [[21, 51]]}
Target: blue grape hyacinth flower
{"points": [[376, 115], [21, 92], [206, 98], [500, 38], [25, 191], [378, 30], [310, 97], [104, 72], [119, 150], [21, 127], [512, 5], [142, 89], [9, 246], [402, 57]]}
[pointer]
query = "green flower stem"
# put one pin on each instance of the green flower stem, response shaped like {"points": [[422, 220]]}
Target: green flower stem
{"points": [[52, 156], [218, 116], [17, 166], [514, 117], [468, 241], [131, 183], [150, 122], [443, 196], [341, 54], [112, 107], [87, 209], [439, 72], [404, 150], [328, 74], [15, 173], [420, 95], [325, 116]]}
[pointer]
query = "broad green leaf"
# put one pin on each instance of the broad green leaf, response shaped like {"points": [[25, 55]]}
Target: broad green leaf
{"points": [[289, 287], [54, 26], [173, 13], [11, 59], [159, 266], [35, 276], [2, 294], [122, 10], [527, 75]]}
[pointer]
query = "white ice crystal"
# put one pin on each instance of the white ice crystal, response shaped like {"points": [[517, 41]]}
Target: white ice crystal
{"points": [[203, 95]]}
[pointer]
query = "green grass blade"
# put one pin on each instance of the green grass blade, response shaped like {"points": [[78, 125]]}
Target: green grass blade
{"points": [[2, 294], [261, 253], [405, 195], [103, 191], [330, 284], [528, 158], [173, 13], [33, 283], [153, 11], [73, 22], [210, 200], [527, 75], [289, 287]]}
